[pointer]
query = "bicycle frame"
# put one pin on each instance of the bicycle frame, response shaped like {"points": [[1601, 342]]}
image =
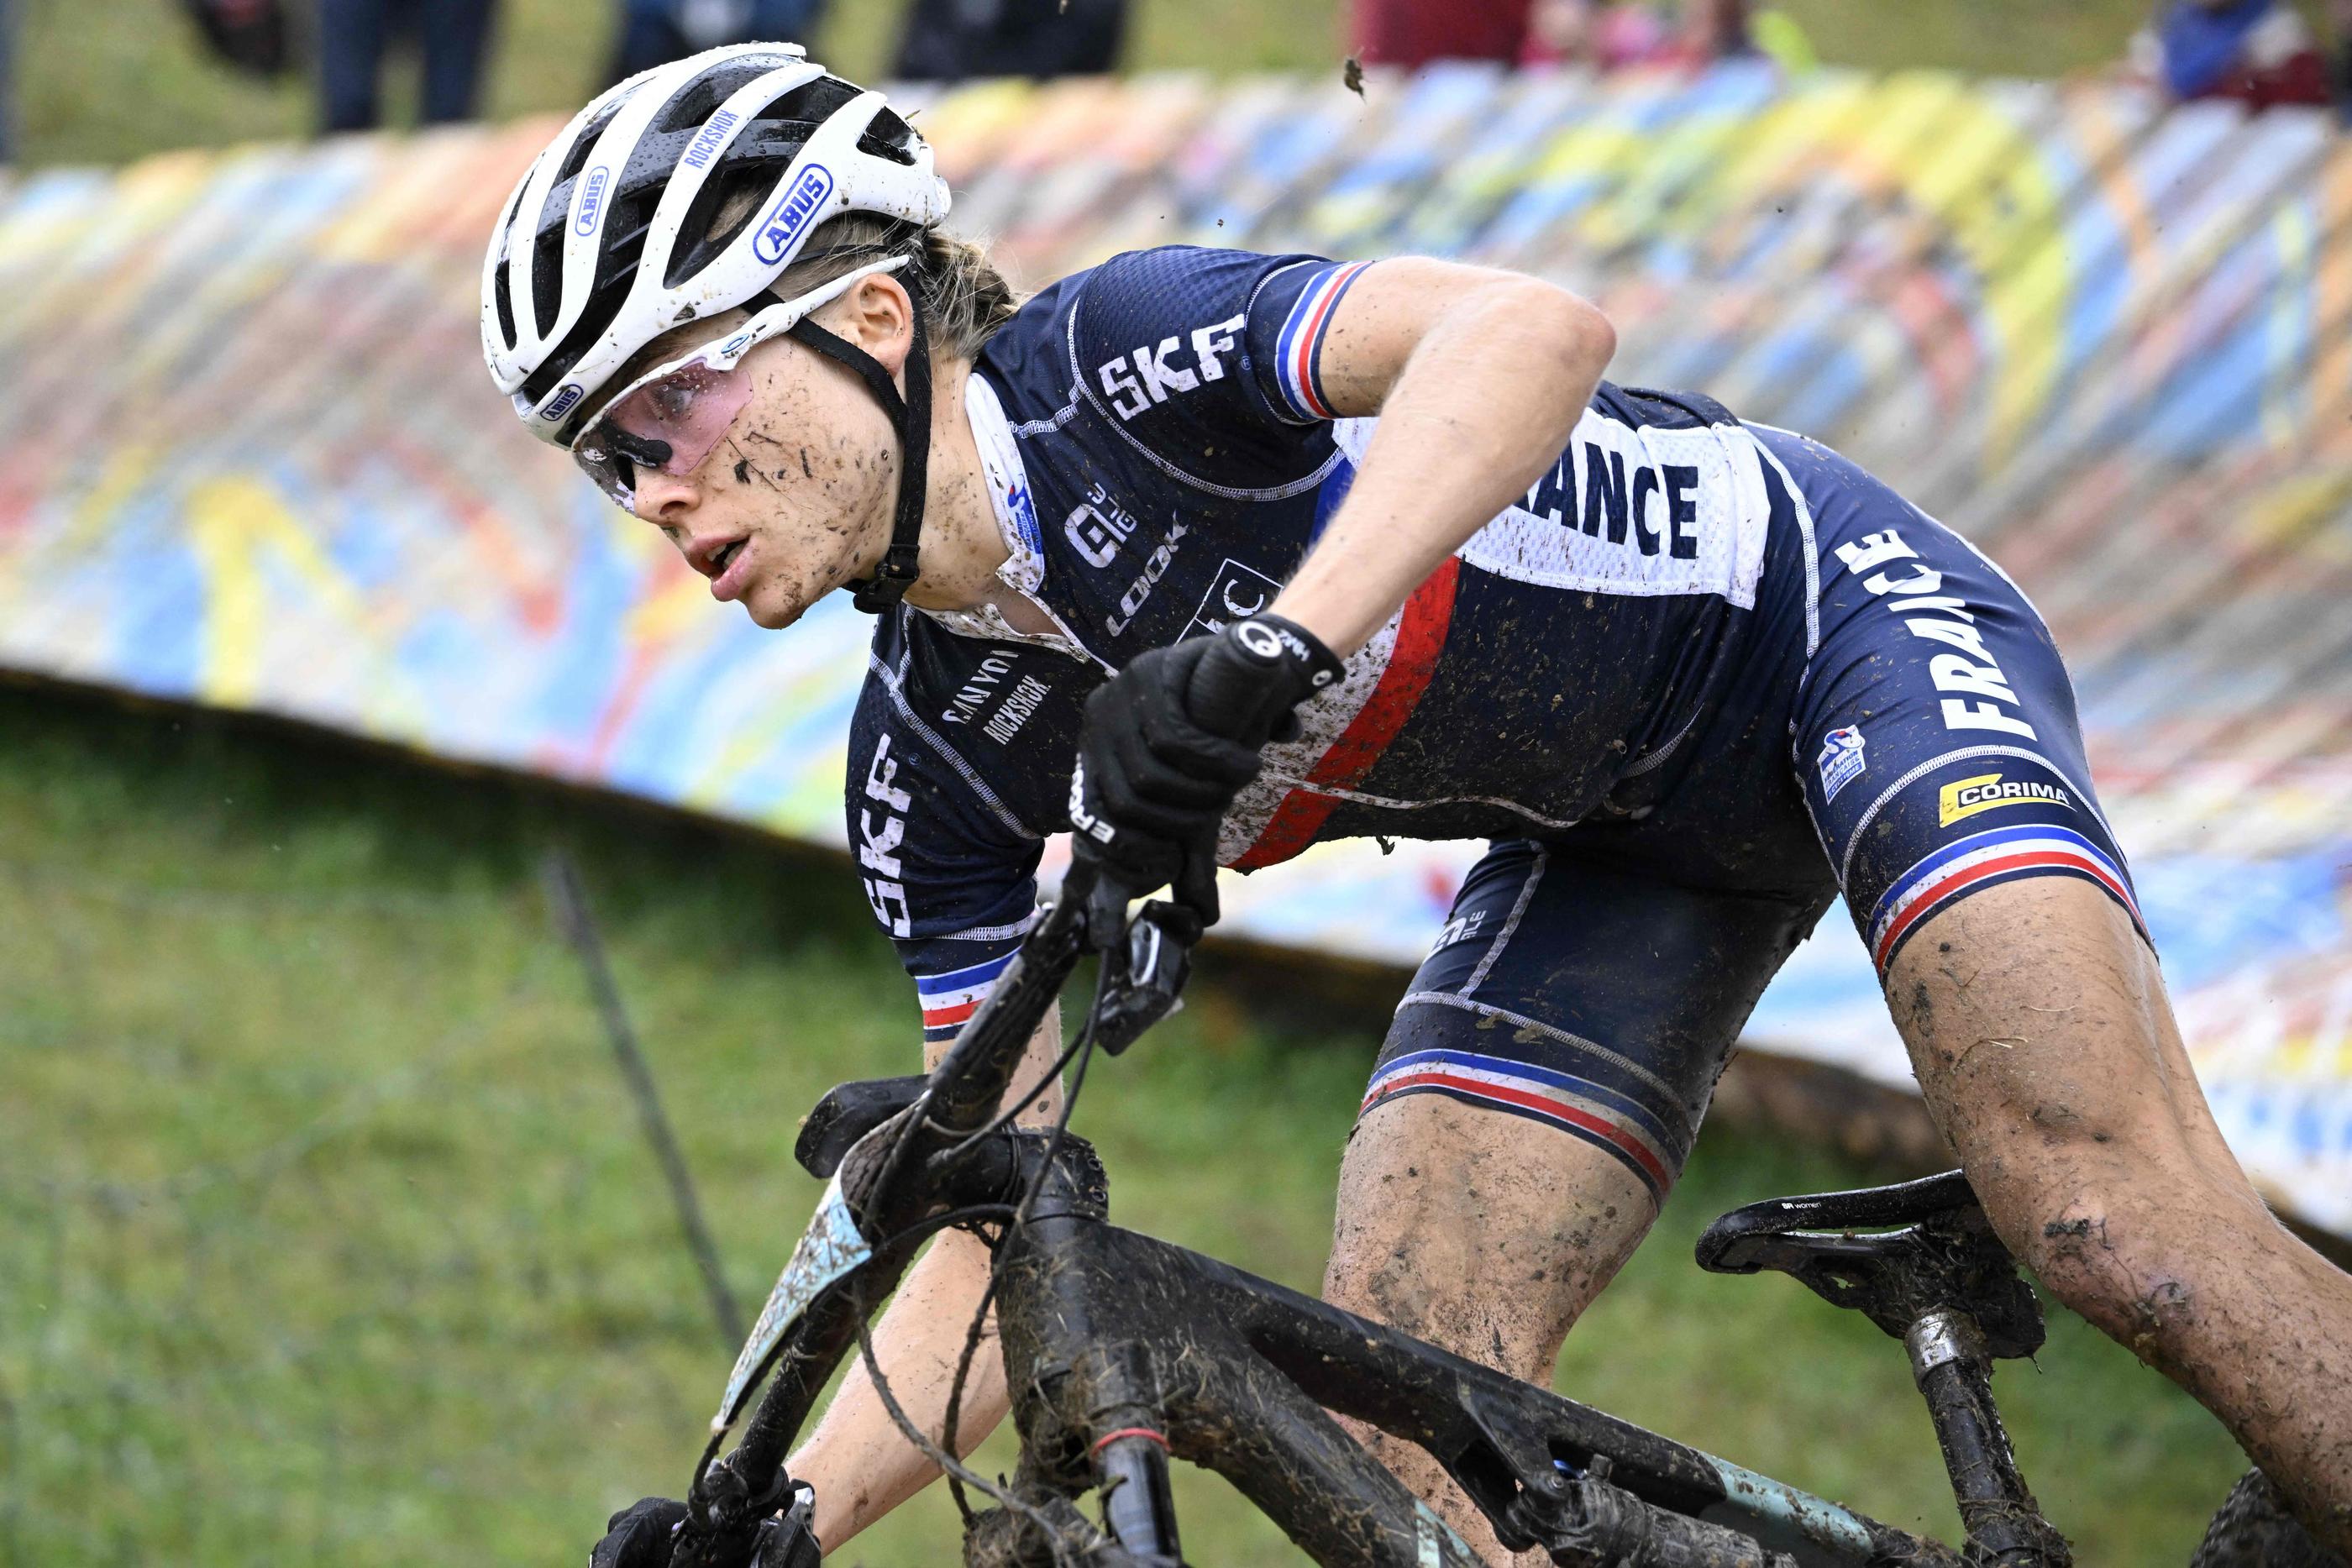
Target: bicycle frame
{"points": [[1122, 1350], [1106, 1332]]}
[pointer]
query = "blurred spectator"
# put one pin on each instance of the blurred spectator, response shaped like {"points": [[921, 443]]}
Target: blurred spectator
{"points": [[1409, 33], [1733, 29], [1588, 33], [354, 36], [2258, 51], [250, 34], [655, 32], [946, 40], [2339, 17], [1605, 37]]}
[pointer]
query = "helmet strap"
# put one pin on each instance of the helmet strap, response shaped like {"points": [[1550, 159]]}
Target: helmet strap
{"points": [[911, 417]]}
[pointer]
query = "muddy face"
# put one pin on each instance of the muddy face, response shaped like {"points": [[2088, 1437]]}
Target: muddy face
{"points": [[796, 499]]}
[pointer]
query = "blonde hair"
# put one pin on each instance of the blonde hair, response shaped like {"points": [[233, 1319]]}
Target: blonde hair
{"points": [[965, 298]]}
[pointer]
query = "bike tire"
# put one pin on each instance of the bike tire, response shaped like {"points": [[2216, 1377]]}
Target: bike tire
{"points": [[2254, 1530]]}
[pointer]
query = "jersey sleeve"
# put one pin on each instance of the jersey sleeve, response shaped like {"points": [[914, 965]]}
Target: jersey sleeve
{"points": [[1212, 360], [950, 873]]}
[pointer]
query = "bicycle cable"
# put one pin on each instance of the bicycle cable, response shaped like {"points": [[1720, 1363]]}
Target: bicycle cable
{"points": [[960, 1475]]}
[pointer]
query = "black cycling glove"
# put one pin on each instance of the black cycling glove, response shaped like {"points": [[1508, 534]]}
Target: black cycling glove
{"points": [[643, 1535], [1168, 743]]}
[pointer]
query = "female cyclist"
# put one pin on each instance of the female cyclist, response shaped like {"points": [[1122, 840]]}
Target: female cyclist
{"points": [[1144, 562]]}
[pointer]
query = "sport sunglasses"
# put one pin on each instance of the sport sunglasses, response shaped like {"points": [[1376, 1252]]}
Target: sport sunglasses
{"points": [[669, 419]]}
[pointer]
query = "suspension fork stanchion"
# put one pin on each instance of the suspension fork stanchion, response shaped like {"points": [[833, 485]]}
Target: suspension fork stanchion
{"points": [[1132, 1462], [1112, 1391], [1954, 1372]]}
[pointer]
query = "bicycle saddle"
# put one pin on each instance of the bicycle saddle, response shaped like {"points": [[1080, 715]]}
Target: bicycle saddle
{"points": [[1928, 1245]]}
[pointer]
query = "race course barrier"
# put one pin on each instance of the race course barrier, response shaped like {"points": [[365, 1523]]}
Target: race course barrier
{"points": [[252, 459]]}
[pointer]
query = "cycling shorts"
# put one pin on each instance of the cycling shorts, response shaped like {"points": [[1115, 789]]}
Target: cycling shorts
{"points": [[1903, 732]]}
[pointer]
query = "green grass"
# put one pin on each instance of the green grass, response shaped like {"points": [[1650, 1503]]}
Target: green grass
{"points": [[105, 80], [327, 1233]]}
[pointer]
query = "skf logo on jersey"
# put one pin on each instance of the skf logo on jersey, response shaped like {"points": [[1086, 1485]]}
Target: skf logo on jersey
{"points": [[800, 203], [1840, 760], [878, 841], [1157, 373], [1988, 792], [592, 200], [565, 401]]}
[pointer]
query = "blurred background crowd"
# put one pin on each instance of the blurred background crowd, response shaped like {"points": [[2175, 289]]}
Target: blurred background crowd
{"points": [[327, 1230], [2263, 52]]}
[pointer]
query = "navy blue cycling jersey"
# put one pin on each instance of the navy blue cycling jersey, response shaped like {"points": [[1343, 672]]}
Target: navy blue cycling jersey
{"points": [[1700, 678], [1163, 457]]}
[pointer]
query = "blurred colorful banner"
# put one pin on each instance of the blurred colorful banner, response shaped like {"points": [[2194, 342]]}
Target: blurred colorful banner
{"points": [[252, 459]]}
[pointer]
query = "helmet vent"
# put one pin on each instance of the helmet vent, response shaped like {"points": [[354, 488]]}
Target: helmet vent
{"points": [[585, 142], [602, 307], [742, 189], [547, 277], [701, 97], [502, 290], [811, 103]]}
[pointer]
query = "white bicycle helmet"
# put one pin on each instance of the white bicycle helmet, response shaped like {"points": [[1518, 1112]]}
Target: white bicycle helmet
{"points": [[611, 239]]}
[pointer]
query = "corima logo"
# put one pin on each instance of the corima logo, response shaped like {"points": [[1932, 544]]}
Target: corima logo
{"points": [[592, 200], [792, 213], [1987, 792], [564, 401]]}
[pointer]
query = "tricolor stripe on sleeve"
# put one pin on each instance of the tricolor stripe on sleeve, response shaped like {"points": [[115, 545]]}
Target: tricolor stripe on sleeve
{"points": [[1979, 861], [1298, 350], [949, 999]]}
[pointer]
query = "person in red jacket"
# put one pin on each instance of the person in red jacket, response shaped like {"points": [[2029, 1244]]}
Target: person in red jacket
{"points": [[1412, 33]]}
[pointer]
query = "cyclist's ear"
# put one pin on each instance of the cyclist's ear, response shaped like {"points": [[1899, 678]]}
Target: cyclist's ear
{"points": [[875, 314]]}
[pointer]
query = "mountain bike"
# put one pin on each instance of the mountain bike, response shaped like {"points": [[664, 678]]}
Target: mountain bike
{"points": [[1123, 1351]]}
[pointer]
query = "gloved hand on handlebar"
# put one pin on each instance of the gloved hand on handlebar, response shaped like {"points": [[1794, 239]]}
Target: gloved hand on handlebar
{"points": [[1168, 743], [644, 1535]]}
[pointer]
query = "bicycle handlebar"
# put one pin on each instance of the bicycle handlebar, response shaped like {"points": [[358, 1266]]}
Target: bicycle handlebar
{"points": [[961, 1096]]}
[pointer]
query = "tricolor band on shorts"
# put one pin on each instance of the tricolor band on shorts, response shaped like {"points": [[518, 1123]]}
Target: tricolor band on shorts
{"points": [[1983, 860], [1594, 997], [950, 999], [1593, 1112]]}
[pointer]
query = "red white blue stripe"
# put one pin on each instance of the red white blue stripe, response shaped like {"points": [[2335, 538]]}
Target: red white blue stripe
{"points": [[949, 999], [1608, 1118], [1298, 350], [1981, 860]]}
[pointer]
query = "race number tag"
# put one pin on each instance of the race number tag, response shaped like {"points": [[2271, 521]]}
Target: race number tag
{"points": [[830, 1250]]}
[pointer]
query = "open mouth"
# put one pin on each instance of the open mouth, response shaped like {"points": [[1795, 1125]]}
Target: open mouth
{"points": [[724, 558]]}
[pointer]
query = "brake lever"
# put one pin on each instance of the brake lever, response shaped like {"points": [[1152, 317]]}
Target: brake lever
{"points": [[1148, 975]]}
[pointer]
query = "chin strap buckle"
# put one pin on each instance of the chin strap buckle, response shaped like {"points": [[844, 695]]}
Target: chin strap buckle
{"points": [[888, 585]]}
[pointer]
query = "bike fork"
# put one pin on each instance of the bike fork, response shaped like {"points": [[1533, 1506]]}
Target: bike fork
{"points": [[1130, 1452], [1954, 1372]]}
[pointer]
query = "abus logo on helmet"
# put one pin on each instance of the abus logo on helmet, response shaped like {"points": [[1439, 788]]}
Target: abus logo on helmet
{"points": [[592, 200], [564, 401], [792, 213]]}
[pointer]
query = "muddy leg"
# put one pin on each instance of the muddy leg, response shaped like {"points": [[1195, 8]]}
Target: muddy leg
{"points": [[1482, 1232], [2038, 1026]]}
